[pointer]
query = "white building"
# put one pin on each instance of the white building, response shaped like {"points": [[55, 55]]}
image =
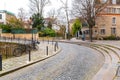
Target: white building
{"points": [[4, 15]]}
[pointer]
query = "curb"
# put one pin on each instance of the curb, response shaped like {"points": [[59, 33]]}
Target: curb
{"points": [[31, 63]]}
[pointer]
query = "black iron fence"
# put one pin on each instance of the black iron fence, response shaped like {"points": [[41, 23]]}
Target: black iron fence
{"points": [[15, 47], [6, 50], [15, 40], [9, 46]]}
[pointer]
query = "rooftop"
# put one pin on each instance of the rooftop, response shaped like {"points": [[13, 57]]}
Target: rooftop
{"points": [[8, 12]]}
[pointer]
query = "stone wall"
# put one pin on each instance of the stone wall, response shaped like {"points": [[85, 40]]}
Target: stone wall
{"points": [[27, 36]]}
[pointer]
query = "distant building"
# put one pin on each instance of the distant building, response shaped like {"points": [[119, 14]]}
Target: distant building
{"points": [[84, 27], [5, 15], [53, 22], [107, 22]]}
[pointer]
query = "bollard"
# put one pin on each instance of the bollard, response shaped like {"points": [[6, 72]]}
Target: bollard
{"points": [[47, 50], [11, 39], [55, 47], [0, 62], [57, 44], [29, 55]]}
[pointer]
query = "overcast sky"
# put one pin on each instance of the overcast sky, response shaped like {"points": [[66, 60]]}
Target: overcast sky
{"points": [[14, 5]]}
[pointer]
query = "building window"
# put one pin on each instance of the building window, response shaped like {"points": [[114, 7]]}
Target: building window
{"points": [[102, 31], [103, 1], [117, 1], [113, 30], [0, 16], [113, 10], [118, 10], [108, 10], [113, 20], [86, 32]]}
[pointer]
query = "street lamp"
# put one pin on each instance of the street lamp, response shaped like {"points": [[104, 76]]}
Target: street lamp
{"points": [[31, 20], [32, 35]]}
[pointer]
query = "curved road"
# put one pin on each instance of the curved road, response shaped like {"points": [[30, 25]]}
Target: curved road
{"points": [[74, 62]]}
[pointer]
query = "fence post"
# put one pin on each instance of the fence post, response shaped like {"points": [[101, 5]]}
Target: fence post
{"points": [[48, 41], [0, 62], [47, 50], [11, 39], [6, 52], [18, 40], [5, 39], [24, 41]]}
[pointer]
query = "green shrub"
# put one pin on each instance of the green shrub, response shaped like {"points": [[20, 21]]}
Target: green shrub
{"points": [[112, 37], [5, 28], [47, 32]]}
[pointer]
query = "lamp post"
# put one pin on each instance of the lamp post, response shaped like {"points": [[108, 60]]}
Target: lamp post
{"points": [[31, 20], [31, 32], [32, 35]]}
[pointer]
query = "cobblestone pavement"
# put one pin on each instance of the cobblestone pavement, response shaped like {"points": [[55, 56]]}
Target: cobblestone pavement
{"points": [[74, 62], [16, 62], [117, 44], [107, 42]]}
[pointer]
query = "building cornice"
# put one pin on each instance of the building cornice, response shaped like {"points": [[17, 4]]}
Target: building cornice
{"points": [[109, 14]]}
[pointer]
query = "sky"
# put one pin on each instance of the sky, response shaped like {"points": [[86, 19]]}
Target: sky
{"points": [[14, 5]]}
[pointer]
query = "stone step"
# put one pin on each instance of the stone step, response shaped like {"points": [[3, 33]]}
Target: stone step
{"points": [[114, 49], [107, 73]]}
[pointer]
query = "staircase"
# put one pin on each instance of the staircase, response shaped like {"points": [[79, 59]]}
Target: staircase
{"points": [[112, 57]]}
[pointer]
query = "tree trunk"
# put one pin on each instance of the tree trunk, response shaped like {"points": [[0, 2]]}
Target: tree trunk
{"points": [[90, 34], [68, 35]]}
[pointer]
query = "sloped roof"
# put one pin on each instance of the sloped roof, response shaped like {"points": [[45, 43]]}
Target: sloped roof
{"points": [[8, 12]]}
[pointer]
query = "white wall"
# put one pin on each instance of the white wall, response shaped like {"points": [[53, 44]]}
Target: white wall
{"points": [[3, 20]]}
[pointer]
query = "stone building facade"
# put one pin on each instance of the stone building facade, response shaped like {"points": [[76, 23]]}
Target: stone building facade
{"points": [[5, 15], [108, 21]]}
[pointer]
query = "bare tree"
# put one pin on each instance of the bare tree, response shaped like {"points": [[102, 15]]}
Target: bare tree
{"points": [[52, 13], [22, 14], [55, 15], [37, 6], [65, 7], [89, 10], [58, 18]]}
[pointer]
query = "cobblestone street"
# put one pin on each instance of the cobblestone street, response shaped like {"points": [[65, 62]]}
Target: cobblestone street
{"points": [[74, 62]]}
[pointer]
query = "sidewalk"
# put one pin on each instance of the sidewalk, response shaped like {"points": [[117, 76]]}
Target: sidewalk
{"points": [[15, 63]]}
